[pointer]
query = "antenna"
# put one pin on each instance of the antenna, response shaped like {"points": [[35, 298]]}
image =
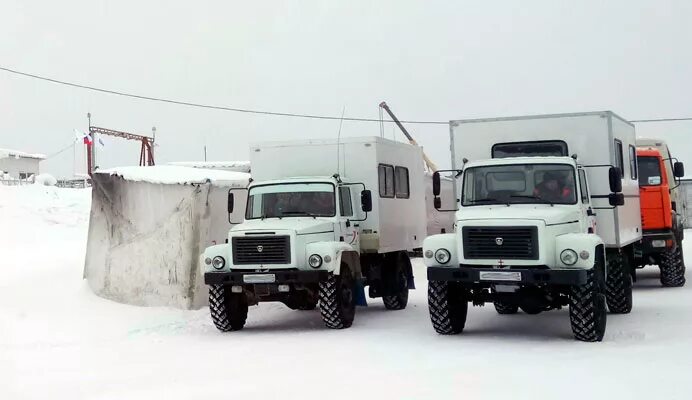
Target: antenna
{"points": [[338, 141]]}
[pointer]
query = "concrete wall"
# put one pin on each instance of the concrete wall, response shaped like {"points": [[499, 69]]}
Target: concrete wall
{"points": [[15, 166]]}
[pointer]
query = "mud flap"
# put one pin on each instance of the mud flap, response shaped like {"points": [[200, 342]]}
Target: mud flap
{"points": [[360, 294]]}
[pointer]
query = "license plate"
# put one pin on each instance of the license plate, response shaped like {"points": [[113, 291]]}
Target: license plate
{"points": [[259, 278], [500, 276]]}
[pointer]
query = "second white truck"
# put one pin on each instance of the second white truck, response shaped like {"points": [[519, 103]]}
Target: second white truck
{"points": [[548, 215], [323, 219]]}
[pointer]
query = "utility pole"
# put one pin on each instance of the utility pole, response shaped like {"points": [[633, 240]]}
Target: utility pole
{"points": [[205, 152]]}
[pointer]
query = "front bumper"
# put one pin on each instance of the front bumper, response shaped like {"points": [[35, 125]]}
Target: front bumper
{"points": [[280, 277], [467, 274], [645, 245]]}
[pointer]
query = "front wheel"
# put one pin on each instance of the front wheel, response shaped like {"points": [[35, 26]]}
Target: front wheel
{"points": [[618, 285], [672, 268], [587, 311], [448, 307], [228, 310], [337, 300]]}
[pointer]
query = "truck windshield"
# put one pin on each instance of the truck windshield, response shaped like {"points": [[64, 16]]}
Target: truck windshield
{"points": [[519, 184], [649, 171], [291, 200]]}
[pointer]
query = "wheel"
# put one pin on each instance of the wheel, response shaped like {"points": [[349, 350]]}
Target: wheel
{"points": [[448, 307], [504, 308], [618, 285], [672, 267], [228, 310], [587, 311], [399, 301], [337, 300]]}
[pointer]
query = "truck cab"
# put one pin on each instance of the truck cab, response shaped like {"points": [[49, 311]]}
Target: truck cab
{"points": [[662, 226]]}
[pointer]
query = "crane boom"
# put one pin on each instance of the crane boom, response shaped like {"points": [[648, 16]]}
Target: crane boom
{"points": [[431, 165]]}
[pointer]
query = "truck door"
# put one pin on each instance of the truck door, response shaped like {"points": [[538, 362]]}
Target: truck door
{"points": [[348, 230], [589, 216]]}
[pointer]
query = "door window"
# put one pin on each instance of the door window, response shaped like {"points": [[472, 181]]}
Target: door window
{"points": [[583, 187], [386, 180], [345, 201]]}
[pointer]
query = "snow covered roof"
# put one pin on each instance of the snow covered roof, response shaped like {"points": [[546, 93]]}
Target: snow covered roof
{"points": [[179, 175], [238, 166], [5, 153]]}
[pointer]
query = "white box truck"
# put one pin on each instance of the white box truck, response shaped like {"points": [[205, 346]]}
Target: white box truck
{"points": [[548, 215], [323, 219]]}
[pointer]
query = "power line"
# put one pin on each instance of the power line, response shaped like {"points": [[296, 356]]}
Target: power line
{"points": [[209, 106], [261, 112]]}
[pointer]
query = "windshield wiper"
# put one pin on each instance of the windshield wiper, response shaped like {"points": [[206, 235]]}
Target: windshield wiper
{"points": [[298, 212], [488, 199], [533, 198]]}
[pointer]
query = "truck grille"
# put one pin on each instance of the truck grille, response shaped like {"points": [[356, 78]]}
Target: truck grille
{"points": [[261, 250], [509, 243]]}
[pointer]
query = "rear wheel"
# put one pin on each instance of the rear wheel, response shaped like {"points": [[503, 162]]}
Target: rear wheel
{"points": [[448, 307], [618, 284], [337, 299], [672, 267], [400, 276], [228, 310], [587, 310], [504, 308]]}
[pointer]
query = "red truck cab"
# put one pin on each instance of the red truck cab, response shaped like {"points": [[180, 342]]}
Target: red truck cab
{"points": [[662, 231]]}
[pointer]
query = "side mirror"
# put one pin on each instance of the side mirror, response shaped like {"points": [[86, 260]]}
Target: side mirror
{"points": [[231, 202], [437, 203], [678, 169], [366, 200], [616, 199], [436, 184], [615, 179]]}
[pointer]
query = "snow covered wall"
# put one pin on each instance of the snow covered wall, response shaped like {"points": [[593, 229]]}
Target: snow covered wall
{"points": [[147, 228]]}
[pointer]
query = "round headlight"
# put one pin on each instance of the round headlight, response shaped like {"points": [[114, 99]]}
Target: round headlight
{"points": [[568, 257], [207, 261], [218, 262], [442, 256], [315, 261], [428, 253]]}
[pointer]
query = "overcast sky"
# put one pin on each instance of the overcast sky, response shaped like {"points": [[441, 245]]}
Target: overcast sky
{"points": [[429, 60]]}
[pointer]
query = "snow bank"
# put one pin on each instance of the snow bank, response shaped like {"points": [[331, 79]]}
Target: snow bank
{"points": [[238, 166], [174, 174], [148, 227], [45, 180]]}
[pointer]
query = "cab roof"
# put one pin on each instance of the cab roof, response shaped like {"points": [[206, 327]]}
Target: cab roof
{"points": [[648, 152], [522, 160]]}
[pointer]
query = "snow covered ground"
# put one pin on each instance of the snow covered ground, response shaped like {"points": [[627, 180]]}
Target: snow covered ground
{"points": [[58, 340]]}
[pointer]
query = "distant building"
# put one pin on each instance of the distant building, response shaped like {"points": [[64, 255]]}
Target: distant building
{"points": [[18, 164]]}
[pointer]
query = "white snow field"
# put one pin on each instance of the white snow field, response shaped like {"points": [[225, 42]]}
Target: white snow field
{"points": [[60, 341]]}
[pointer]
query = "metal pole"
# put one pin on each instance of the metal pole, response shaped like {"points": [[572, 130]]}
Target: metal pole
{"points": [[94, 166], [153, 140], [205, 152]]}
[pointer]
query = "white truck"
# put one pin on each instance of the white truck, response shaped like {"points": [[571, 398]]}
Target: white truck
{"points": [[548, 214], [323, 219]]}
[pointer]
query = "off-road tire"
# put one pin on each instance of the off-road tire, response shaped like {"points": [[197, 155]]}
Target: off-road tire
{"points": [[400, 300], [618, 285], [228, 310], [672, 268], [504, 308], [448, 307], [337, 299], [587, 310]]}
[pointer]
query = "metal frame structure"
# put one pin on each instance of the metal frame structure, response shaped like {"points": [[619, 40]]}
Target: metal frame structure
{"points": [[146, 154]]}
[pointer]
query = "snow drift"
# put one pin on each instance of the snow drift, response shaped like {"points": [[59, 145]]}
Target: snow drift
{"points": [[147, 228]]}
